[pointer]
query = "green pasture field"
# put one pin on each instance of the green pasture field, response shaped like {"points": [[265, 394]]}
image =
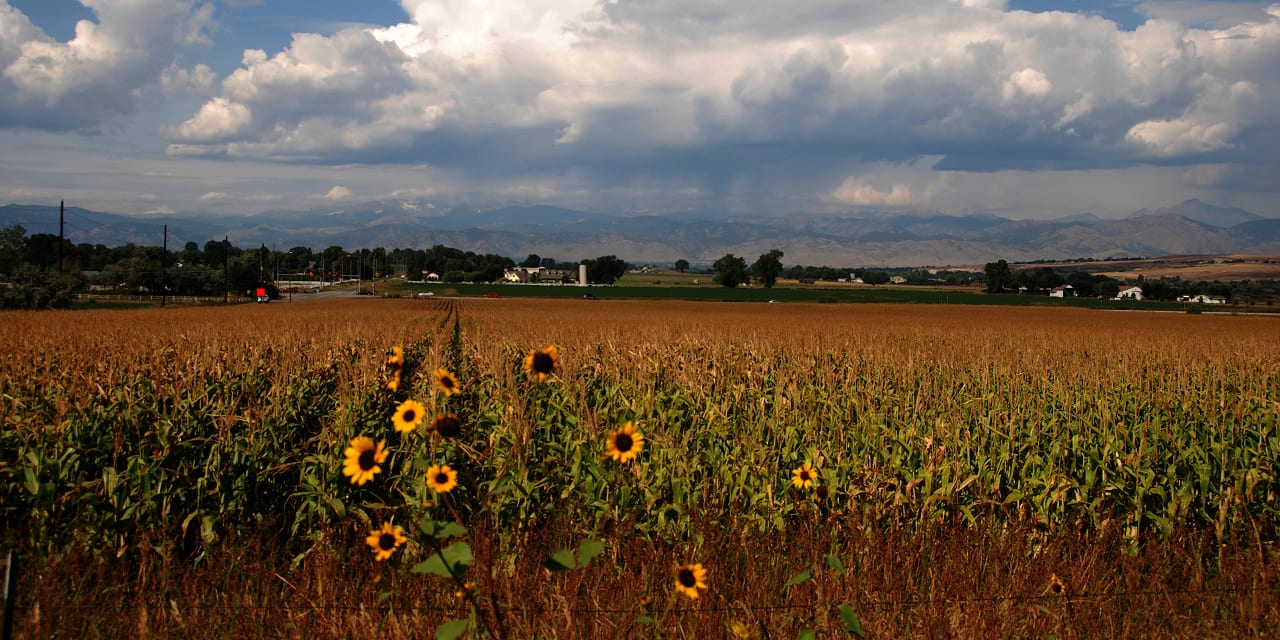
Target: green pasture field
{"points": [[673, 287], [534, 468]]}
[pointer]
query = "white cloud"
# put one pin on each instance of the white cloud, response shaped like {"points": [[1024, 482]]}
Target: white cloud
{"points": [[1169, 138], [1209, 125], [1031, 83], [112, 66], [561, 83], [213, 196], [653, 103], [853, 191], [338, 192]]}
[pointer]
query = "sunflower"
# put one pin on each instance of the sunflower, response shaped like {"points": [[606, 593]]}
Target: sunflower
{"points": [[447, 425], [395, 365], [445, 380], [384, 542], [408, 416], [625, 443], [441, 478], [1056, 586], [541, 364], [363, 458], [690, 578], [803, 476]]}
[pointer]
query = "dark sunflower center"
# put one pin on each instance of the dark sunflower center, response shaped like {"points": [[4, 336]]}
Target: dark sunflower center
{"points": [[623, 442], [446, 382], [366, 460], [804, 475], [448, 427], [543, 363], [686, 579], [442, 478], [386, 542], [410, 415]]}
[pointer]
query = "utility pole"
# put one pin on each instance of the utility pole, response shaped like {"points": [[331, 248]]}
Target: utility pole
{"points": [[164, 266], [62, 236], [226, 269]]}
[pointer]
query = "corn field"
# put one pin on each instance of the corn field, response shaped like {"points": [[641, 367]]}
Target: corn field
{"points": [[511, 468]]}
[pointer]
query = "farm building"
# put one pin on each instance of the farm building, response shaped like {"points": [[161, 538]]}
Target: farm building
{"points": [[1129, 293]]}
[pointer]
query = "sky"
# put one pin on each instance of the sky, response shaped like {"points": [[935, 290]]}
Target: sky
{"points": [[1020, 108]]}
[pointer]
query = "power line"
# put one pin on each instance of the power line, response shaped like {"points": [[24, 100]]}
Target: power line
{"points": [[884, 604]]}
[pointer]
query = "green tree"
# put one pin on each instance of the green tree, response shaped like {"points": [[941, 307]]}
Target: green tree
{"points": [[12, 241], [767, 268], [605, 269], [999, 276], [875, 277], [533, 260], [39, 288], [682, 265], [730, 271]]}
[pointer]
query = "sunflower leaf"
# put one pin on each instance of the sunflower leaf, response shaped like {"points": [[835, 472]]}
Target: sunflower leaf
{"points": [[588, 550], [449, 530], [852, 624], [561, 560], [807, 634], [452, 630], [448, 562]]}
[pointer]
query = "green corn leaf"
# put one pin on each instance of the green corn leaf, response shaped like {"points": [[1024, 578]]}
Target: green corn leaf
{"points": [[835, 564], [799, 578]]}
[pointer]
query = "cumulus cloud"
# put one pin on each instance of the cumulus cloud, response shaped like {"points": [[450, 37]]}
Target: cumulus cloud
{"points": [[855, 192], [555, 84], [338, 192], [117, 64], [1031, 83]]}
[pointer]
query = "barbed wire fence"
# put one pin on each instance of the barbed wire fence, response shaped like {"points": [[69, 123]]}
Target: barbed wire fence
{"points": [[860, 604]]}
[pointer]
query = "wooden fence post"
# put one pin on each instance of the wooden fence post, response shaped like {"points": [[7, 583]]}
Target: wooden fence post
{"points": [[10, 593]]}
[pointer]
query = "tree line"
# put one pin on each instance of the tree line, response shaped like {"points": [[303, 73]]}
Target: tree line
{"points": [[42, 270], [1001, 277]]}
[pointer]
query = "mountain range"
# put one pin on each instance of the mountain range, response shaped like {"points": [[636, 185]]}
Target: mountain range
{"points": [[867, 238]]}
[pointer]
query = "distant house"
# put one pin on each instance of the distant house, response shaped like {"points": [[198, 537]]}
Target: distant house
{"points": [[1129, 293], [540, 275], [1064, 291], [432, 277], [1203, 299], [898, 280]]}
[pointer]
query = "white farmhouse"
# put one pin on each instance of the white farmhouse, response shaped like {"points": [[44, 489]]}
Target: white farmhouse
{"points": [[1129, 293]]}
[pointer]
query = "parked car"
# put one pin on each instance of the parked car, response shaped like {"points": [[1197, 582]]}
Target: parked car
{"points": [[491, 295], [427, 294], [591, 296]]}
